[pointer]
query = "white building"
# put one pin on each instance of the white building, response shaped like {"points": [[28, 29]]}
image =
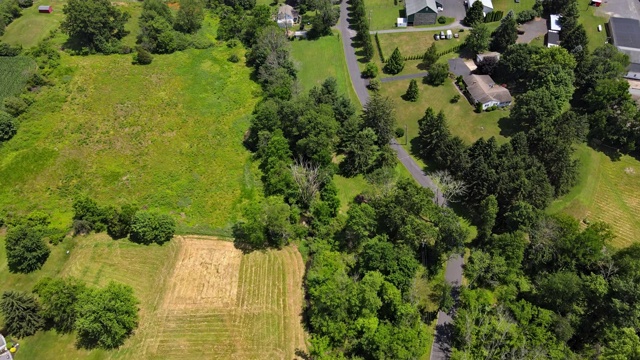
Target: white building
{"points": [[486, 4]]}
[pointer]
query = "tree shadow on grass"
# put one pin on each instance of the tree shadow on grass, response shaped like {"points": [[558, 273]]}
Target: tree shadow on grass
{"points": [[509, 127]]}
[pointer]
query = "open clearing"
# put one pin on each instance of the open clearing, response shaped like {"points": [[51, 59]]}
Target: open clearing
{"points": [[199, 297]]}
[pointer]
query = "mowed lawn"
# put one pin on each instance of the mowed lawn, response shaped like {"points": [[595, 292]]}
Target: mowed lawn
{"points": [[384, 13], [231, 306], [607, 191], [14, 73], [32, 26], [167, 136], [316, 60], [463, 121]]}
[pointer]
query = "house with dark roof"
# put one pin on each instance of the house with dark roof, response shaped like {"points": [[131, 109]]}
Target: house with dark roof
{"points": [[553, 39], [482, 89], [421, 12], [625, 35]]}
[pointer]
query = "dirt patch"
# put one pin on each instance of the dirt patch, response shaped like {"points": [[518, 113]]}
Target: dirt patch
{"points": [[205, 276]]}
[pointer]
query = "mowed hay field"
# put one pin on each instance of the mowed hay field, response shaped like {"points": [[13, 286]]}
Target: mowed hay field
{"points": [[167, 136], [607, 191], [200, 298]]}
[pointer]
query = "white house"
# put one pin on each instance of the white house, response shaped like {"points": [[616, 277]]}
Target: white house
{"points": [[485, 91], [554, 23], [486, 4], [287, 16]]}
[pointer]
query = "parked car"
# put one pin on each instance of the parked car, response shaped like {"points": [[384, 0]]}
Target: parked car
{"points": [[436, 37], [442, 37]]}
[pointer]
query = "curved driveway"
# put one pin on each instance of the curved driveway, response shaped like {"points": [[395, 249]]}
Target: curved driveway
{"points": [[453, 272]]}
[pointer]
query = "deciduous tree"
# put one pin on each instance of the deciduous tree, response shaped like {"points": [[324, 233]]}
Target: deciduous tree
{"points": [[95, 24], [26, 249]]}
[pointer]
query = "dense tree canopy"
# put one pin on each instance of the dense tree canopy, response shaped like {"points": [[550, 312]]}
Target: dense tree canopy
{"points": [[94, 24], [59, 298], [26, 249]]}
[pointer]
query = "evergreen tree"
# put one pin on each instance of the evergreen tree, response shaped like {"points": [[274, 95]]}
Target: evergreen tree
{"points": [[506, 34], [412, 93], [21, 313], [395, 63], [433, 133], [367, 48], [430, 56], [475, 14], [379, 115], [360, 154]]}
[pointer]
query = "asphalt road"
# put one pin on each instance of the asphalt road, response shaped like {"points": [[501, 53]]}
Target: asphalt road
{"points": [[404, 77], [453, 272]]}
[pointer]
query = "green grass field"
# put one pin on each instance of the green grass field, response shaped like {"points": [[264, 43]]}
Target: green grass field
{"points": [[14, 73], [251, 310], [508, 5], [32, 26], [168, 136], [319, 59], [463, 121], [416, 43], [606, 191]]}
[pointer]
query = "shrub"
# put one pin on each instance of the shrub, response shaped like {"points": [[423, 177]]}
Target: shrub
{"points": [[232, 43], [26, 250], [15, 106], [370, 71], [142, 56], [148, 227], [455, 98], [8, 50], [374, 85], [124, 50], [478, 107], [87, 209], [25, 3], [442, 19], [7, 127], [81, 227], [526, 16], [399, 132], [119, 221], [37, 80], [233, 58]]}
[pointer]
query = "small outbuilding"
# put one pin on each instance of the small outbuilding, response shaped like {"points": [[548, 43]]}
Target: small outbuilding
{"points": [[554, 23], [553, 39], [489, 54], [482, 89], [402, 22], [421, 12], [45, 9]]}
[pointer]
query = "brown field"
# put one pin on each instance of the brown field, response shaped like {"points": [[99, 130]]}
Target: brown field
{"points": [[200, 298]]}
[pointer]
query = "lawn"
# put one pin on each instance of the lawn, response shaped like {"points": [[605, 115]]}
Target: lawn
{"points": [[167, 136], [606, 191], [384, 13], [590, 21], [246, 305], [416, 43], [507, 5], [463, 121], [319, 59], [32, 26], [14, 73]]}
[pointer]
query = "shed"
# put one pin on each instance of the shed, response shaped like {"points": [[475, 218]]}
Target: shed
{"points": [[402, 22], [482, 89], [553, 39], [421, 12], [45, 9], [554, 23], [287, 16], [486, 4]]}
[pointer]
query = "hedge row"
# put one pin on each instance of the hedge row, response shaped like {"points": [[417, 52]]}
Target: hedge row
{"points": [[493, 16], [448, 51], [380, 49]]}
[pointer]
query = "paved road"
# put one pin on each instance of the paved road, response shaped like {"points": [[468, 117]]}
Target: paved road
{"points": [[453, 272], [404, 77], [455, 24]]}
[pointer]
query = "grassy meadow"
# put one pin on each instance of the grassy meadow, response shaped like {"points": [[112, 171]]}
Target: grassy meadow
{"points": [[14, 73], [319, 59], [158, 135]]}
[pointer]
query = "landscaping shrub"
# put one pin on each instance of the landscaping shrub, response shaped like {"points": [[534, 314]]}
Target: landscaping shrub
{"points": [[25, 3], [370, 71], [374, 84], [399, 132], [149, 227], [233, 58], [442, 19], [526, 16], [455, 98]]}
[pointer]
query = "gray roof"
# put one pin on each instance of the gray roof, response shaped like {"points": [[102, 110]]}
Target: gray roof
{"points": [[44, 7], [459, 67], [553, 38], [414, 6], [483, 89], [625, 32]]}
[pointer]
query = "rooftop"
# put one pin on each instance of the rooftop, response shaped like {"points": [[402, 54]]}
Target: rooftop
{"points": [[553, 38], [414, 6], [485, 3], [483, 89], [625, 32], [554, 22]]}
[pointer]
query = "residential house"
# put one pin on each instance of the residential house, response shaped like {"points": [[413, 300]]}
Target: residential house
{"points": [[625, 35], [421, 12], [486, 4], [287, 16], [482, 89], [489, 54]]}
